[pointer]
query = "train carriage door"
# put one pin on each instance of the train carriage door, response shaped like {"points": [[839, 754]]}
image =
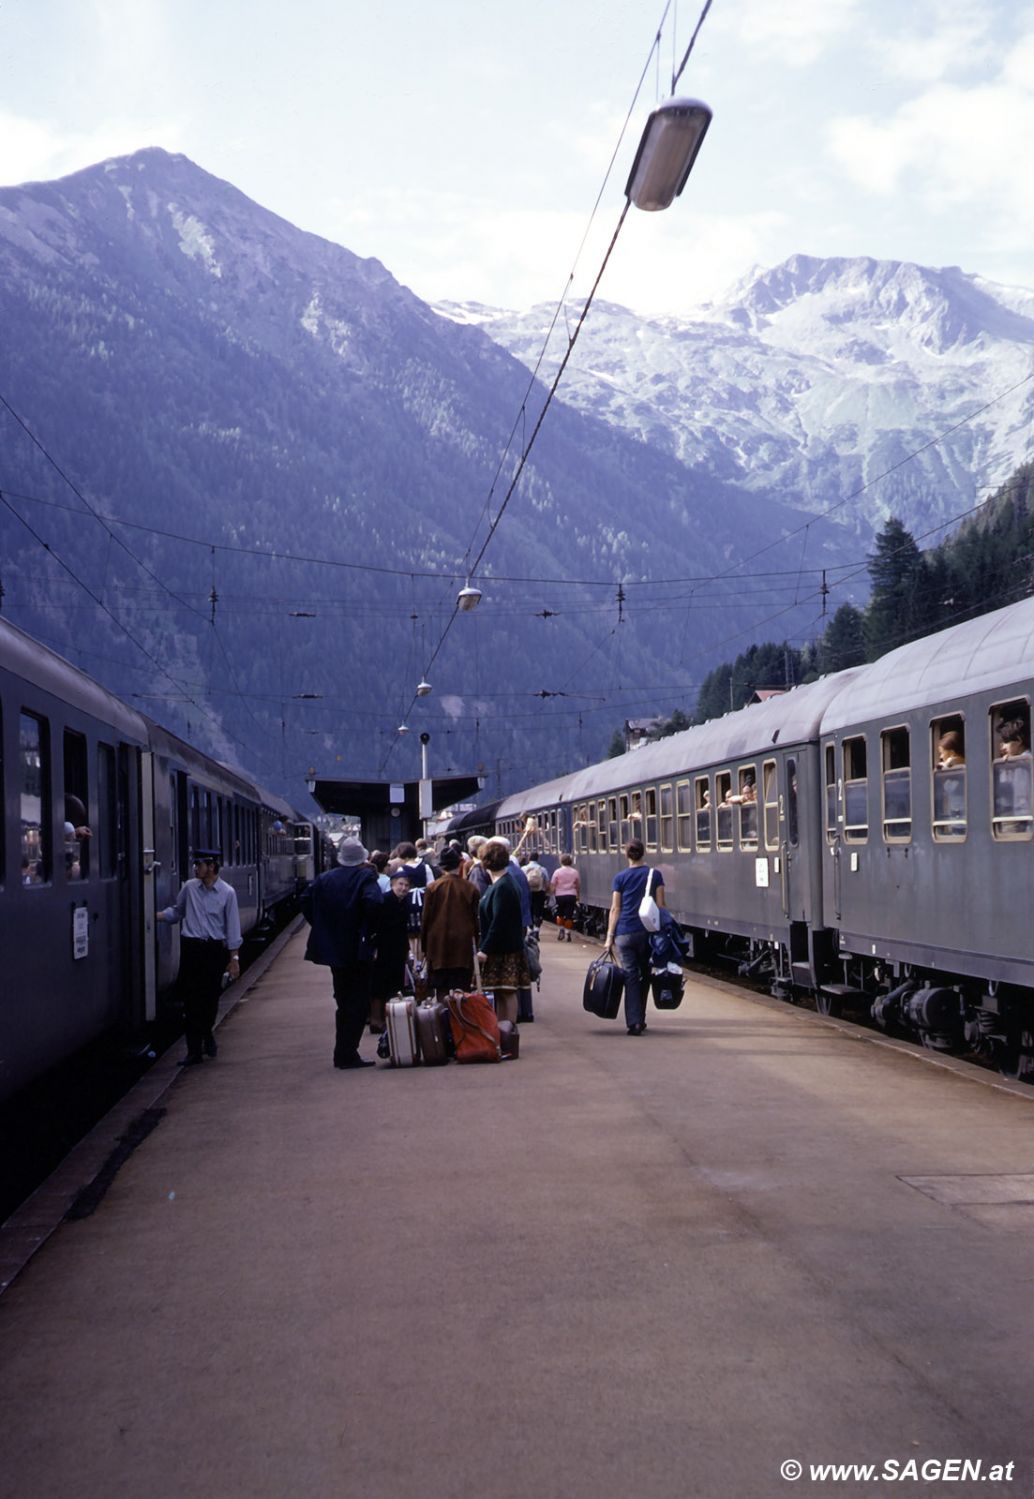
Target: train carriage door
{"points": [[149, 872], [793, 871]]}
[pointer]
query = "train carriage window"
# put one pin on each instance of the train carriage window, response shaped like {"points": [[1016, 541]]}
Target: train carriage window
{"points": [[579, 827], [684, 812], [829, 777], [948, 754], [612, 823], [723, 811], [896, 754], [626, 826], [702, 810], [77, 830], [770, 795], [195, 819], [107, 814], [34, 795], [792, 801], [667, 820], [601, 831], [635, 816], [554, 826], [746, 799], [650, 795], [1011, 767], [856, 790]]}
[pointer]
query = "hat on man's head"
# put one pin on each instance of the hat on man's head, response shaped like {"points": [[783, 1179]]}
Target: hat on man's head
{"points": [[351, 853], [449, 858], [208, 856]]}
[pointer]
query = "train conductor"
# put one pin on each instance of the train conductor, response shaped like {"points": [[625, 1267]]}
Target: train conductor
{"points": [[210, 942]]}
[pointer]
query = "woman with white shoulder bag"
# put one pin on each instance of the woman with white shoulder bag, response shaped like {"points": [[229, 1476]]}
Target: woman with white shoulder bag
{"points": [[634, 914]]}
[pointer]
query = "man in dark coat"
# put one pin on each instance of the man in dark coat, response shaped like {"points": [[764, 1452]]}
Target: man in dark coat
{"points": [[342, 906], [449, 926]]}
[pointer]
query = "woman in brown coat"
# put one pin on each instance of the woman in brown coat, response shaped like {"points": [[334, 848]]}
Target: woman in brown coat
{"points": [[449, 926]]}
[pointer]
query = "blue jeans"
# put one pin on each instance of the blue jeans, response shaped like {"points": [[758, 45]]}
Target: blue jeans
{"points": [[633, 953]]}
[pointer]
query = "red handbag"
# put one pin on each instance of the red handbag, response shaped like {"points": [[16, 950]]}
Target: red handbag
{"points": [[475, 1029]]}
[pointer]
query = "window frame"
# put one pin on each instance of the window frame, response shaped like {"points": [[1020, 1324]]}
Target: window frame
{"points": [[770, 779], [748, 843], [857, 832], [940, 827], [45, 827], [723, 826], [1024, 823], [669, 816], [886, 771], [684, 820]]}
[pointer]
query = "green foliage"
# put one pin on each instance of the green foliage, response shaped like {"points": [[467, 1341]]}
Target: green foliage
{"points": [[986, 564]]}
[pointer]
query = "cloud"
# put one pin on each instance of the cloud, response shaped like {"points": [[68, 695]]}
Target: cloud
{"points": [[948, 38], [955, 149], [796, 32], [37, 150]]}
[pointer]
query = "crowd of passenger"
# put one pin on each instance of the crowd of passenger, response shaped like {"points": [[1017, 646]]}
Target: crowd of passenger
{"points": [[416, 921]]}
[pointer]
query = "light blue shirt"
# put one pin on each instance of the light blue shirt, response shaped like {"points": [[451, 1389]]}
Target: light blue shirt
{"points": [[207, 914]]}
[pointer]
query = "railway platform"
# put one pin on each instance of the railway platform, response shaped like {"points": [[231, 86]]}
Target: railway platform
{"points": [[697, 1264]]}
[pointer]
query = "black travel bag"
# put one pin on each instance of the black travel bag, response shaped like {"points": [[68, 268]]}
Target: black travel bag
{"points": [[604, 986], [667, 990]]}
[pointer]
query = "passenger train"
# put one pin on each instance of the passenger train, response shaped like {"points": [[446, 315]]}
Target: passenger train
{"points": [[102, 810], [826, 840]]}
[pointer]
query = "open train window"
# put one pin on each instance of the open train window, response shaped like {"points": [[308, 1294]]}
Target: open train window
{"points": [[746, 799], [770, 802], [702, 810], [948, 754], [77, 830], [829, 781], [603, 833], [667, 820], [34, 794], [856, 790], [590, 831], [612, 823], [684, 811], [650, 798], [723, 811], [1012, 795], [896, 754]]}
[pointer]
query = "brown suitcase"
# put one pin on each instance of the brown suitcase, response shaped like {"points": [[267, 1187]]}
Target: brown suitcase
{"points": [[432, 1019]]}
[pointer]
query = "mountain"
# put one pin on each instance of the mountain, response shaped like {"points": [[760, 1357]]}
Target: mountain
{"points": [[816, 379], [288, 442]]}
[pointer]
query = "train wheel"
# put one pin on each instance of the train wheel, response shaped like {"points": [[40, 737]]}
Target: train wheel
{"points": [[1018, 1060]]}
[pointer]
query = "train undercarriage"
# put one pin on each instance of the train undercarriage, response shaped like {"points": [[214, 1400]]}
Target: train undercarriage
{"points": [[988, 1022]]}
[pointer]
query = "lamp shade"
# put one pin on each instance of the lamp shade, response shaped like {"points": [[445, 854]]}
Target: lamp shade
{"points": [[423, 688], [671, 139], [468, 598]]}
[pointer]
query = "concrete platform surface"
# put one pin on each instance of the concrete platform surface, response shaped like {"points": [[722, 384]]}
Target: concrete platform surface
{"points": [[659, 1267]]}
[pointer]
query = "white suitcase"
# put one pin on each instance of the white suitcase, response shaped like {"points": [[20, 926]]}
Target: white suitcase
{"points": [[400, 1017]]}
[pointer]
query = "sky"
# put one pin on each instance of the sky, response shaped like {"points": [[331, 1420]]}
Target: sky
{"points": [[464, 144]]}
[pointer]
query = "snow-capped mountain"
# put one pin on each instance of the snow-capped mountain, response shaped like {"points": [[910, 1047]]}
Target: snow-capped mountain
{"points": [[817, 381]]}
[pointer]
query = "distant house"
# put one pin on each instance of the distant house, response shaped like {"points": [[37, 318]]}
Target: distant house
{"points": [[762, 694], [640, 731]]}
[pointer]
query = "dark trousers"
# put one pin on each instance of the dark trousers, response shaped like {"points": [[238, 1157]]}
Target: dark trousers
{"points": [[352, 988], [202, 965], [444, 979], [634, 956], [538, 907]]}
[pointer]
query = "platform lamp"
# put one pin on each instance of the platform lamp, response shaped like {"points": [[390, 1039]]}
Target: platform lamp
{"points": [[468, 598], [671, 139]]}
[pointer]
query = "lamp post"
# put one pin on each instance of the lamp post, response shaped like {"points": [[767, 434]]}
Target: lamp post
{"points": [[671, 139]]}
